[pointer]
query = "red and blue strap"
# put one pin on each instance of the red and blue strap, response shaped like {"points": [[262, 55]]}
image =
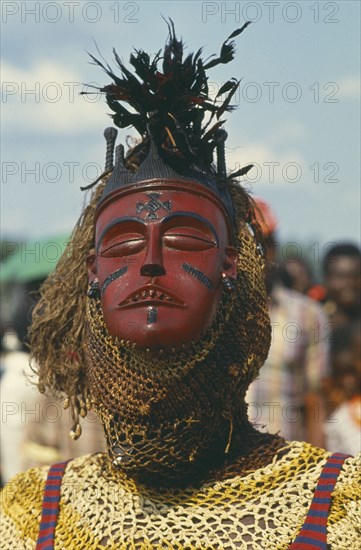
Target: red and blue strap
{"points": [[313, 534], [50, 510]]}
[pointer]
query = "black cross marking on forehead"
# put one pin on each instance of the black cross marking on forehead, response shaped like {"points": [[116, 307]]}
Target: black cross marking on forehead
{"points": [[153, 205]]}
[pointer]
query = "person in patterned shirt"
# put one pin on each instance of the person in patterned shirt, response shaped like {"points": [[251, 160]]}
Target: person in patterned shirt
{"points": [[287, 397]]}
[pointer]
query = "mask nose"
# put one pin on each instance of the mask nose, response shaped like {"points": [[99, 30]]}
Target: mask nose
{"points": [[153, 262], [152, 270]]}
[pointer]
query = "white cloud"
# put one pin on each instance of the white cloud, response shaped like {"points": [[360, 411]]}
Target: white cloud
{"points": [[45, 98], [350, 87], [270, 166]]}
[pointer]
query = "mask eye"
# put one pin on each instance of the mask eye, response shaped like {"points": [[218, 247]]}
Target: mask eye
{"points": [[183, 238], [123, 247]]}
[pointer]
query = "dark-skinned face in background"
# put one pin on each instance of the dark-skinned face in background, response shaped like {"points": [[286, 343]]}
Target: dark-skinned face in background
{"points": [[343, 282]]}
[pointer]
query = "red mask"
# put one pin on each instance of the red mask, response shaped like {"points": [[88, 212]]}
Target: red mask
{"points": [[162, 250]]}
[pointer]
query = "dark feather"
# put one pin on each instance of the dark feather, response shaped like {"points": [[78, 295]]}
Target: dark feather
{"points": [[209, 134], [241, 172], [238, 31], [168, 96], [226, 104], [226, 87]]}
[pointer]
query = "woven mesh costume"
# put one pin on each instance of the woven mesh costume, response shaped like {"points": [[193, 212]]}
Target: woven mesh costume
{"points": [[197, 475], [262, 510]]}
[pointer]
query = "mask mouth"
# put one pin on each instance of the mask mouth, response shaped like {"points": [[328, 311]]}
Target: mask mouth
{"points": [[151, 295]]}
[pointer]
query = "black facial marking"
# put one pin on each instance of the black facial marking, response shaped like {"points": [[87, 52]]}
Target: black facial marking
{"points": [[118, 273], [152, 315], [202, 278], [153, 205]]}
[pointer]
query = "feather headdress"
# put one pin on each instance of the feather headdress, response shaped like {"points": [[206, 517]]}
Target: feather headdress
{"points": [[171, 108]]}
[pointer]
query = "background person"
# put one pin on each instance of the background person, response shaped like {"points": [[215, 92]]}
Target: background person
{"points": [[287, 398], [342, 278], [343, 402]]}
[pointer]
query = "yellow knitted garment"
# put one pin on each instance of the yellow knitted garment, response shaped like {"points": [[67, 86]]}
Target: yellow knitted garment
{"points": [[264, 509]]}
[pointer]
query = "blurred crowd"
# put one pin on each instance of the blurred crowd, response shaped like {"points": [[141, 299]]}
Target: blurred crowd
{"points": [[308, 389]]}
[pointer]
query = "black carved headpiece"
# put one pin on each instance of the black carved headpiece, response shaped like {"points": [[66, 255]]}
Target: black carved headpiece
{"points": [[168, 109]]}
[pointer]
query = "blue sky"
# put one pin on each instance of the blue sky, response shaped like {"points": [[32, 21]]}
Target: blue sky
{"points": [[297, 117]]}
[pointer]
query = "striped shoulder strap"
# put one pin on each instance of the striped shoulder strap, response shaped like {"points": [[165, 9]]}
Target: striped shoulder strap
{"points": [[50, 510], [313, 534]]}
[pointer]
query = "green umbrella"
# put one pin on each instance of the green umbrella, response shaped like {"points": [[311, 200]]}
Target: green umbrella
{"points": [[33, 260]]}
